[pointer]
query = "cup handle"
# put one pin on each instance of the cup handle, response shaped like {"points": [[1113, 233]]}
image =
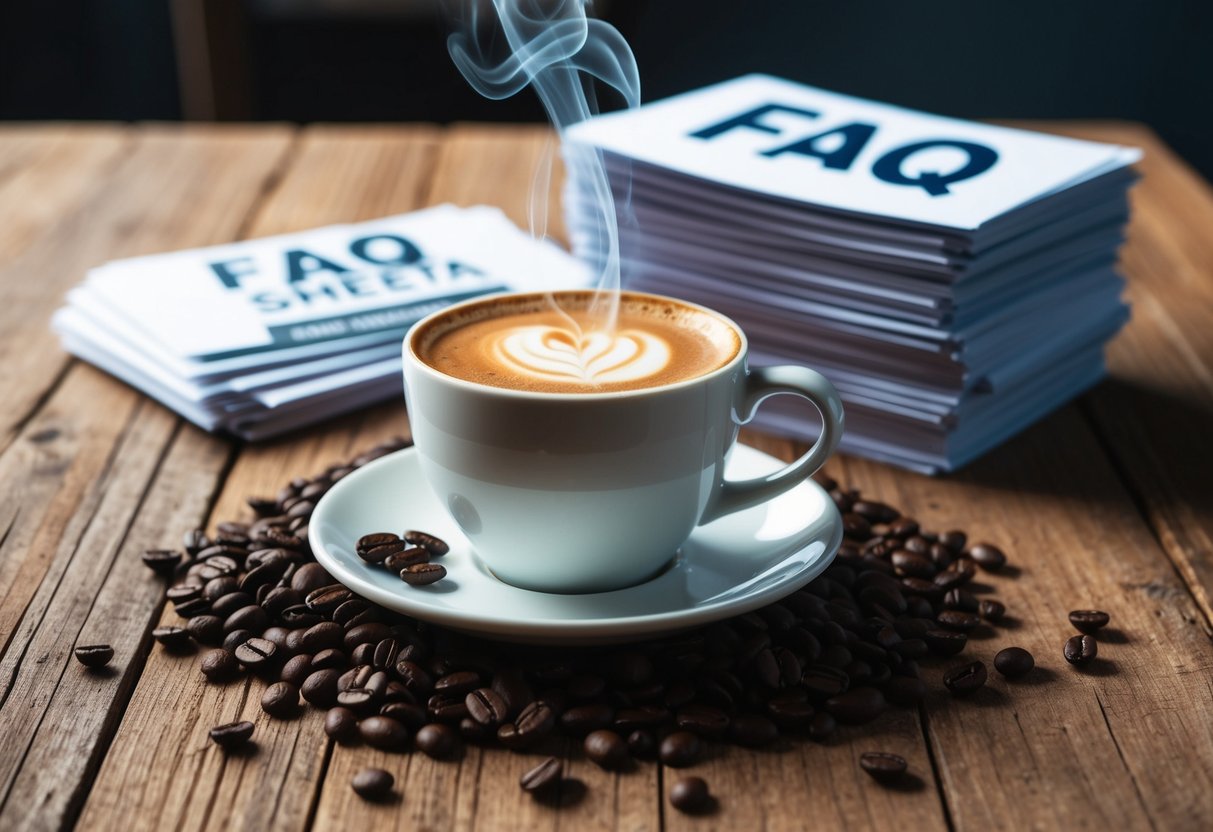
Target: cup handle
{"points": [[761, 384]]}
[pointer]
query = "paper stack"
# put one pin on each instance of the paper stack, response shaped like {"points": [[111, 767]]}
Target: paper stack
{"points": [[259, 337], [954, 280]]}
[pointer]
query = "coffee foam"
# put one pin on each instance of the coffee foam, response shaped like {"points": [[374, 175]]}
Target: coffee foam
{"points": [[555, 349]]}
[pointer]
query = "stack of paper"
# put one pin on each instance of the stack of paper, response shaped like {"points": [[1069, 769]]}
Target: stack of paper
{"points": [[954, 280], [259, 337]]}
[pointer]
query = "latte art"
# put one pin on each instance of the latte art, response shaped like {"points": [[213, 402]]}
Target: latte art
{"points": [[552, 344], [545, 352]]}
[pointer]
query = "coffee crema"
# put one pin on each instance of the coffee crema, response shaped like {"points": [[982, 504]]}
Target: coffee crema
{"points": [[523, 342]]}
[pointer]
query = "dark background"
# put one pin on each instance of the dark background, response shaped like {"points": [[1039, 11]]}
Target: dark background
{"points": [[385, 60]]}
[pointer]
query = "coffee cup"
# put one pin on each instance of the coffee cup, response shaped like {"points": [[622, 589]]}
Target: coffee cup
{"points": [[579, 461]]}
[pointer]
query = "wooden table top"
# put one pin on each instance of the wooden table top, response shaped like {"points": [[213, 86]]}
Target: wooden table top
{"points": [[1108, 503]]}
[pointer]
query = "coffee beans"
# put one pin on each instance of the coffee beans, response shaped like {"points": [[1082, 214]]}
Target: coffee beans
{"points": [[882, 766], [966, 678], [842, 649], [1080, 650], [281, 700], [162, 561], [1089, 621], [232, 735], [543, 778], [607, 749], [1014, 662], [423, 574], [373, 783], [690, 795], [219, 665], [680, 749], [94, 656]]}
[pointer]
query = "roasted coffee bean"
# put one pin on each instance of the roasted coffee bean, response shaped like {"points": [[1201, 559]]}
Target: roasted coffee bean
{"points": [[370, 541], [543, 778], [991, 610], [582, 719], [680, 749], [958, 620], [383, 732], [954, 540], [385, 654], [330, 659], [643, 716], [323, 636], [856, 527], [753, 731], [194, 541], [192, 607], [233, 602], [960, 599], [355, 612], [320, 688], [535, 720], [857, 705], [1080, 650], [408, 714], [908, 564], [945, 642], [219, 665], [704, 720], [1013, 662], [281, 700], [297, 669], [341, 724], [397, 561], [206, 629], [1089, 621], [987, 556], [436, 740], [175, 639], [293, 644], [485, 706], [507, 735], [958, 574], [299, 616], [327, 598], [423, 574], [642, 744], [414, 677], [875, 512], [966, 678], [883, 766], [606, 749], [251, 617], [255, 652], [162, 561], [821, 726], [381, 553], [436, 546], [690, 795], [183, 592], [373, 784], [94, 656], [372, 632], [309, 577], [231, 735], [446, 708], [459, 683]]}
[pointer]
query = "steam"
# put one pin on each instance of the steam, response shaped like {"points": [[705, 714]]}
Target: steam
{"points": [[554, 48]]}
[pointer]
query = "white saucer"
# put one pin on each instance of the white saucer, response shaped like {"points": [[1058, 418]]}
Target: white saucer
{"points": [[735, 564]]}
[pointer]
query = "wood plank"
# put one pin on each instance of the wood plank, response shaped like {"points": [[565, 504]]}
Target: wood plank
{"points": [[75, 475], [177, 188], [1127, 744], [515, 167], [337, 175]]}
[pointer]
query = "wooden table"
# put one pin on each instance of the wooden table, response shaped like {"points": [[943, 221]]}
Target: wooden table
{"points": [[1108, 503]]}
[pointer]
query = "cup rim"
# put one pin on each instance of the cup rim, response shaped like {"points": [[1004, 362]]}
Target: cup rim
{"points": [[410, 354]]}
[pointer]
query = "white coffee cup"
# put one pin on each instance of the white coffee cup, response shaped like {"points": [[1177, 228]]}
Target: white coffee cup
{"points": [[589, 492]]}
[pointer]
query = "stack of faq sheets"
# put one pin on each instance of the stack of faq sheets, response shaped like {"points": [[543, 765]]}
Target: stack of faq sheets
{"points": [[955, 281], [258, 337]]}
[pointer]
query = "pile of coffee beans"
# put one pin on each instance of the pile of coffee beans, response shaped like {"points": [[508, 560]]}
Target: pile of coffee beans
{"points": [[842, 650]]}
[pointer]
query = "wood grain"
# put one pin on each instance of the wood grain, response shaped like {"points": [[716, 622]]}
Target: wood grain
{"points": [[273, 788]]}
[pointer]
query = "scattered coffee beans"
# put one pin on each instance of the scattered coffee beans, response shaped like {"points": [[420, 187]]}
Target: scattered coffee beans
{"points": [[1089, 621], [162, 561], [843, 649], [232, 735], [94, 656], [1014, 662], [373, 783], [690, 795], [1080, 650], [882, 766]]}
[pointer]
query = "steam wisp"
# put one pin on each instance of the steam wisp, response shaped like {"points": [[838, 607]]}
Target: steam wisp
{"points": [[556, 49]]}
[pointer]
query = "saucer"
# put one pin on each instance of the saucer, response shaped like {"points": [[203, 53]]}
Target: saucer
{"points": [[737, 563]]}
